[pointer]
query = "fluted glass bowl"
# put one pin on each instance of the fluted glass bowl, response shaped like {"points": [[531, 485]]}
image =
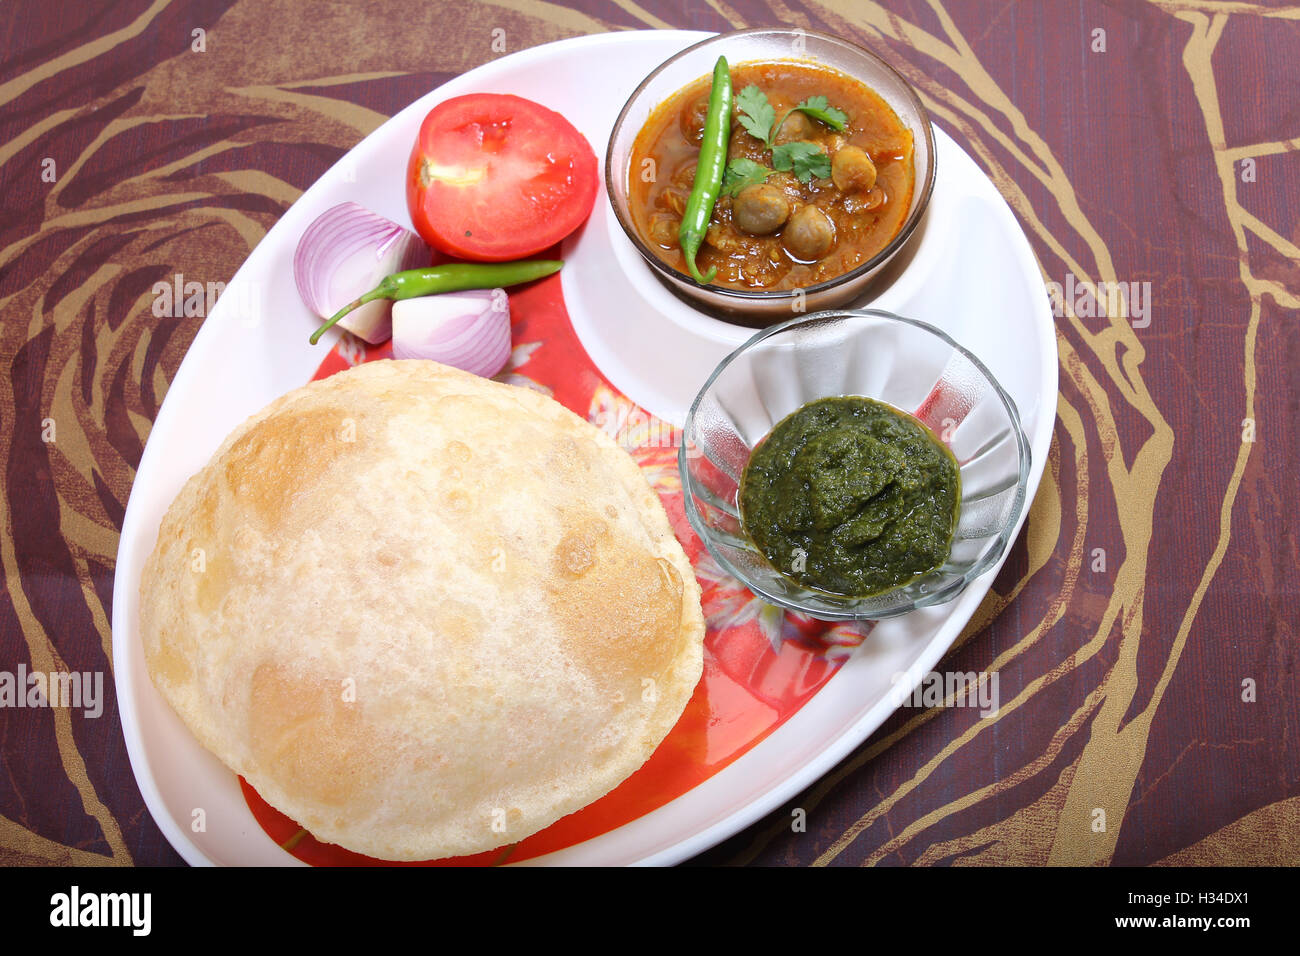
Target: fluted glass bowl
{"points": [[908, 364]]}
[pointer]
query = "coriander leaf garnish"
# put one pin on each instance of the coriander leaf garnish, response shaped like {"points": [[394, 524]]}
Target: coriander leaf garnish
{"points": [[756, 113], [742, 172], [819, 108], [806, 160]]}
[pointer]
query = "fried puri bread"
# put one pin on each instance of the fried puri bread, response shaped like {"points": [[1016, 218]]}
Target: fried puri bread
{"points": [[424, 614]]}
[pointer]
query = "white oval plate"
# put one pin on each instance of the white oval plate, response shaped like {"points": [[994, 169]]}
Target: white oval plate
{"points": [[971, 272]]}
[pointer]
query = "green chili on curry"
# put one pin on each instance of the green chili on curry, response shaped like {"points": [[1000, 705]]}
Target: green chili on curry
{"points": [[851, 496], [708, 171]]}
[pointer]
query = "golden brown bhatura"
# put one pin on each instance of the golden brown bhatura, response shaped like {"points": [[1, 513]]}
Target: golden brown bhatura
{"points": [[424, 614]]}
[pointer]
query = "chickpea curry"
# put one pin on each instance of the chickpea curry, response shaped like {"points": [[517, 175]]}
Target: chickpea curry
{"points": [[818, 179]]}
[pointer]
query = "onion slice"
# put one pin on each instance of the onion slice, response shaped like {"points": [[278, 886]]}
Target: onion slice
{"points": [[343, 255], [470, 330]]}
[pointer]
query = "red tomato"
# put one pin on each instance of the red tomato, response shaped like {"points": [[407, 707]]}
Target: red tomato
{"points": [[496, 177]]}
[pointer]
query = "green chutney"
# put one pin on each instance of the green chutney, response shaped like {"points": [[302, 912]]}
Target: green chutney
{"points": [[851, 496]]}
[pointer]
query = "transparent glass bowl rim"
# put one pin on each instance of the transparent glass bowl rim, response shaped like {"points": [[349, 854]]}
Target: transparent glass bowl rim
{"points": [[724, 292], [987, 559]]}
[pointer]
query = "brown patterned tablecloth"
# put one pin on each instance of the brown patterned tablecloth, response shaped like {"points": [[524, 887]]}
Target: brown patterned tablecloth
{"points": [[1145, 626]]}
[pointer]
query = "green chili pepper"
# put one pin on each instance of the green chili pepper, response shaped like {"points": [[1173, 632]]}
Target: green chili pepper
{"points": [[452, 277], [708, 172]]}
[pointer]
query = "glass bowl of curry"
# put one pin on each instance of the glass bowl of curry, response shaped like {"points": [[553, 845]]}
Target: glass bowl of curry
{"points": [[829, 167], [854, 465]]}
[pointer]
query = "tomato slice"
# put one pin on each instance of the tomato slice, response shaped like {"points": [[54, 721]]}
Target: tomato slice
{"points": [[494, 177]]}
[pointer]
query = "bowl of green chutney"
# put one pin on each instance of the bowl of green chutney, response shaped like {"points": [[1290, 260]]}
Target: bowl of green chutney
{"points": [[854, 465]]}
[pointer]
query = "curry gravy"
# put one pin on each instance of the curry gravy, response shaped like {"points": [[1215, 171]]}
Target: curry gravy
{"points": [[865, 221]]}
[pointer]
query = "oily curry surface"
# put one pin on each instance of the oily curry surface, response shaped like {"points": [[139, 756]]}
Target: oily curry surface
{"points": [[853, 215]]}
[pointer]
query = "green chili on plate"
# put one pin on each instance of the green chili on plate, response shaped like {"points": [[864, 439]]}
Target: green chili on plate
{"points": [[451, 277]]}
